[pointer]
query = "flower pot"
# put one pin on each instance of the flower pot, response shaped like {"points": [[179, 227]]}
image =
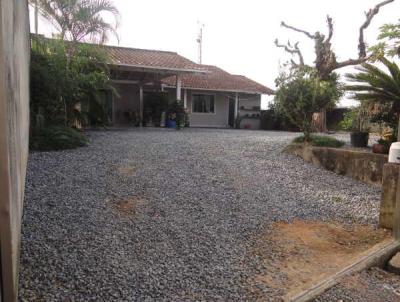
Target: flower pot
{"points": [[380, 149], [170, 124], [359, 139]]}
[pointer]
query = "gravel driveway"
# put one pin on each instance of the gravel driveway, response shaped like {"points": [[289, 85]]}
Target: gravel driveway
{"points": [[163, 215]]}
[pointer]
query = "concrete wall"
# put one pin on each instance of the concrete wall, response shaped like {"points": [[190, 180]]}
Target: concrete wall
{"points": [[364, 166], [14, 135], [247, 111], [248, 101], [218, 119], [250, 123]]}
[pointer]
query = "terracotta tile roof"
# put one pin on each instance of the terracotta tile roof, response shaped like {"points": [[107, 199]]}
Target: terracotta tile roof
{"points": [[219, 79], [198, 76], [149, 58]]}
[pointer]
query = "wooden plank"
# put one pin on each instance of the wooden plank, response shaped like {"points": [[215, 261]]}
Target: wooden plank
{"points": [[14, 135], [378, 256]]}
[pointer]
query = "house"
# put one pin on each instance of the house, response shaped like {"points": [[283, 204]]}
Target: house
{"points": [[212, 96]]}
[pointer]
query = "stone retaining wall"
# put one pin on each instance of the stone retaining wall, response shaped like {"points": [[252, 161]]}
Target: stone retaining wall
{"points": [[364, 166], [367, 167]]}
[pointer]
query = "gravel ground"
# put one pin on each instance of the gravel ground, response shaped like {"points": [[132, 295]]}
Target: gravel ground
{"points": [[373, 285], [198, 197]]}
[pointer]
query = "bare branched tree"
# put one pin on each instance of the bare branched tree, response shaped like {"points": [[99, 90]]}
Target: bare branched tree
{"points": [[326, 61]]}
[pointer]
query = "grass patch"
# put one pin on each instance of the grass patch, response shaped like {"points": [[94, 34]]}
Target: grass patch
{"points": [[321, 141], [337, 199], [56, 138]]}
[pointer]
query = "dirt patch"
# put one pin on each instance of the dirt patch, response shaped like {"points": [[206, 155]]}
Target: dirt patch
{"points": [[127, 170], [128, 205], [298, 254]]}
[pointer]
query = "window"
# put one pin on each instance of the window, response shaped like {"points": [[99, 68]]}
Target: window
{"points": [[203, 103]]}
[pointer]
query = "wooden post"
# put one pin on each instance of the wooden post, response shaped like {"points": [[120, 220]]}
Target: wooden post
{"points": [[14, 137], [141, 107], [396, 218]]}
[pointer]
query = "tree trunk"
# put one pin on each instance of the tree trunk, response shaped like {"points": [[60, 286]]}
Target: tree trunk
{"points": [[324, 127]]}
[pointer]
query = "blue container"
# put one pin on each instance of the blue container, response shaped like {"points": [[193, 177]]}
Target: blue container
{"points": [[170, 124]]}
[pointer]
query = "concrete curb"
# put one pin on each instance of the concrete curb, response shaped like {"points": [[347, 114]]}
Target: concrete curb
{"points": [[378, 256]]}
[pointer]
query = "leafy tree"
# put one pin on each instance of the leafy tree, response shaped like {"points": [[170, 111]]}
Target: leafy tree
{"points": [[65, 90], [389, 41], [301, 93], [374, 85], [80, 20], [326, 61]]}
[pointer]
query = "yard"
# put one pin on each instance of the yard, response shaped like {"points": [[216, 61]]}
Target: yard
{"points": [[174, 215]]}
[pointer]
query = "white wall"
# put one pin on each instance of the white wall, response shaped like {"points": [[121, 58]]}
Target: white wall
{"points": [[14, 135], [218, 119]]}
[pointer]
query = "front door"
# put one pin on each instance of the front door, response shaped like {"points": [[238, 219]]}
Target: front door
{"points": [[231, 117]]}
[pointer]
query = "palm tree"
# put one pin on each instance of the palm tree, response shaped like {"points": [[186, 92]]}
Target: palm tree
{"points": [[80, 20], [374, 85]]}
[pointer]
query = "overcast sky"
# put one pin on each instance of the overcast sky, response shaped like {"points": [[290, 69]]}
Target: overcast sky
{"points": [[239, 35]]}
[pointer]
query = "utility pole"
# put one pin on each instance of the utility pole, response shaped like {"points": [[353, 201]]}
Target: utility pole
{"points": [[36, 8], [200, 41]]}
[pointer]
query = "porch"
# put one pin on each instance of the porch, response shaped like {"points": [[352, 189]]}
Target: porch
{"points": [[207, 108]]}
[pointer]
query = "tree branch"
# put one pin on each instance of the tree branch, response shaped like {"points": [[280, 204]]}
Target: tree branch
{"points": [[308, 34], [293, 50], [362, 48], [329, 21], [351, 62]]}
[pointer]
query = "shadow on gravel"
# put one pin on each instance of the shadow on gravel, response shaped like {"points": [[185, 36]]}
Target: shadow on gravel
{"points": [[298, 254]]}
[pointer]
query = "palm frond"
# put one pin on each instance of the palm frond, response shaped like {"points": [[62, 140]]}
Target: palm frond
{"points": [[374, 84]]}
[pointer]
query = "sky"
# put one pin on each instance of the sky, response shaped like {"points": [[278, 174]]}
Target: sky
{"points": [[239, 35]]}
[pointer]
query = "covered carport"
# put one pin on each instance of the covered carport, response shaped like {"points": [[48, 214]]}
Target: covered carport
{"points": [[136, 71]]}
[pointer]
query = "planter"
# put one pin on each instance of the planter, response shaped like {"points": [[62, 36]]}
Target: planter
{"points": [[380, 149], [170, 124], [359, 139]]}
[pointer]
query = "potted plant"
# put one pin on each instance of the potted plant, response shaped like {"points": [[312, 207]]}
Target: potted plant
{"points": [[176, 115], [384, 143], [357, 121], [382, 147]]}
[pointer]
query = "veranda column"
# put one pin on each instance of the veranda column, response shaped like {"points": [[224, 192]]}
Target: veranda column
{"points": [[185, 98], [178, 88], [236, 109], [141, 105]]}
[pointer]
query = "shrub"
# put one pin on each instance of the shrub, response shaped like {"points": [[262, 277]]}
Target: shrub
{"points": [[321, 141], [56, 138], [301, 93], [65, 77], [273, 119]]}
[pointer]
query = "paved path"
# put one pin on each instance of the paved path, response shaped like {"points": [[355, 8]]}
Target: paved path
{"points": [[160, 215]]}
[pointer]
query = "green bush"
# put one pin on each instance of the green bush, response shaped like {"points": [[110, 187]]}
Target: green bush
{"points": [[56, 138], [321, 141], [300, 93]]}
